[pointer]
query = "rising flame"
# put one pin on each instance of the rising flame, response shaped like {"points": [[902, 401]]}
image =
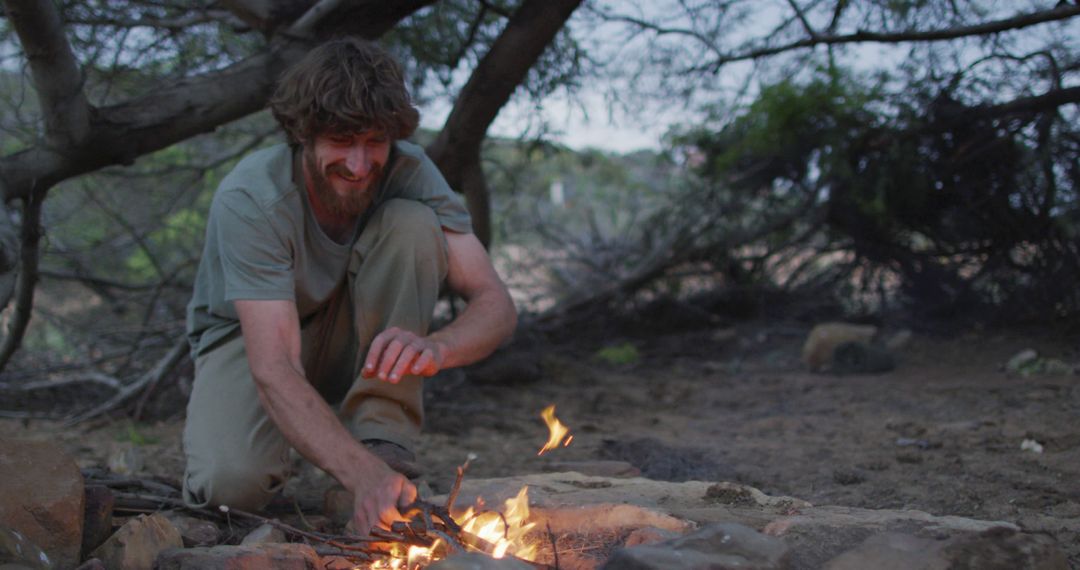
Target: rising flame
{"points": [[505, 533], [557, 431]]}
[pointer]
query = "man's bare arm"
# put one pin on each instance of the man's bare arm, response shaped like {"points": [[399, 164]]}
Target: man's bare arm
{"points": [[271, 331], [488, 319]]}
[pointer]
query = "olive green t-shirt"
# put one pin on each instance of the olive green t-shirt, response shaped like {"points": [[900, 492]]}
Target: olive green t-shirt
{"points": [[263, 243]]}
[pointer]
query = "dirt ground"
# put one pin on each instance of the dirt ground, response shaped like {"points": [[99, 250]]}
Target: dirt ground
{"points": [[942, 433]]}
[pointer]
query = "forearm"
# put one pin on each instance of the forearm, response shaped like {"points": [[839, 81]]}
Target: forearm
{"points": [[488, 319], [310, 425]]}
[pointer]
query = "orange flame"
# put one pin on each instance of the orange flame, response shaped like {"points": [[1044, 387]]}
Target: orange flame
{"points": [[557, 431]]}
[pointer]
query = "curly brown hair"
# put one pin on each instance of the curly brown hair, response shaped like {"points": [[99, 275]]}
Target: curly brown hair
{"points": [[342, 86]]}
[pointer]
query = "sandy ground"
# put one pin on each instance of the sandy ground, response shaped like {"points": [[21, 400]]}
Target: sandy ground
{"points": [[942, 433]]}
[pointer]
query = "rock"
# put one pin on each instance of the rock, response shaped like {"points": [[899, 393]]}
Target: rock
{"points": [[126, 459], [648, 535], [244, 557], [194, 531], [138, 542], [264, 534], [597, 468], [92, 564], [819, 534], [995, 549], [97, 517], [475, 561], [1004, 548], [899, 341], [1020, 360], [892, 551], [338, 505], [717, 546], [604, 518], [337, 563], [817, 352], [42, 498], [17, 551]]}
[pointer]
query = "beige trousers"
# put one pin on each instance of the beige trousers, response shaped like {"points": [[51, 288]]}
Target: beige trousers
{"points": [[235, 455]]}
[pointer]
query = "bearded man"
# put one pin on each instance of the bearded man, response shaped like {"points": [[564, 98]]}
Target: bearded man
{"points": [[323, 262]]}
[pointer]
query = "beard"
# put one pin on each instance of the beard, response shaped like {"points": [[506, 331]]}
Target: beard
{"points": [[352, 203]]}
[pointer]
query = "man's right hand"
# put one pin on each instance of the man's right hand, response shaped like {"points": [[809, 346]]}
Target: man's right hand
{"points": [[379, 494]]}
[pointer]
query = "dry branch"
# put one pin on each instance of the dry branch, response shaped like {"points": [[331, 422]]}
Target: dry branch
{"points": [[150, 378]]}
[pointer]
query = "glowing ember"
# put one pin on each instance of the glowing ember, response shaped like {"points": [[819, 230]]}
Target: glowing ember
{"points": [[557, 429]]}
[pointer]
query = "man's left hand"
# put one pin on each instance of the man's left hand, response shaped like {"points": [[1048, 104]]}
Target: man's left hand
{"points": [[396, 353]]}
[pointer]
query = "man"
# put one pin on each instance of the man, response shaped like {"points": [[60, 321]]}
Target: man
{"points": [[321, 270]]}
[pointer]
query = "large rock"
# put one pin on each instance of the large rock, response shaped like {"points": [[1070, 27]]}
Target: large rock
{"points": [[718, 546], [41, 496], [576, 504], [255, 557], [138, 542], [194, 531]]}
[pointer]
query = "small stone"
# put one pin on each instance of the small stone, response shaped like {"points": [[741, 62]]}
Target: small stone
{"points": [[138, 542], [817, 352], [244, 557], [716, 546], [194, 531], [476, 561], [264, 534], [1021, 360], [17, 551], [42, 498]]}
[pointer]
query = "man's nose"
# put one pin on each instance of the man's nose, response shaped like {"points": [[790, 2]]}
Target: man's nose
{"points": [[358, 161]]}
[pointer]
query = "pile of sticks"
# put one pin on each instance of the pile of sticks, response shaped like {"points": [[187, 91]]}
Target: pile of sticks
{"points": [[427, 523]]}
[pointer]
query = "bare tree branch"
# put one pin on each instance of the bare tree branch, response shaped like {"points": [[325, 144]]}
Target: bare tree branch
{"points": [[457, 149], [30, 237], [1020, 21], [55, 72]]}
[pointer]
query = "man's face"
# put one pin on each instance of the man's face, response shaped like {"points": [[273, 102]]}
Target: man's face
{"points": [[343, 170]]}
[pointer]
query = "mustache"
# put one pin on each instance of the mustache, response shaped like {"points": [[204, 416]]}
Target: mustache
{"points": [[343, 171]]}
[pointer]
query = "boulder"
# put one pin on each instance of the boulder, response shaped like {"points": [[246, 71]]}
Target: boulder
{"points": [[42, 498], [250, 557], [138, 542], [718, 546]]}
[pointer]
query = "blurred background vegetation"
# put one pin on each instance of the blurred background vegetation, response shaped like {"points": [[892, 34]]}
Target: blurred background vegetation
{"points": [[905, 161]]}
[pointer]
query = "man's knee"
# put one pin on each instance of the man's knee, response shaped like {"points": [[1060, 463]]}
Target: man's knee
{"points": [[237, 485]]}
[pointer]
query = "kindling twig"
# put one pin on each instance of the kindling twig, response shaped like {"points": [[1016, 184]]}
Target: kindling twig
{"points": [[457, 484], [554, 548]]}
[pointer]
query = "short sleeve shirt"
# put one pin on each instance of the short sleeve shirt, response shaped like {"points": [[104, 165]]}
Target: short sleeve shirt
{"points": [[263, 242]]}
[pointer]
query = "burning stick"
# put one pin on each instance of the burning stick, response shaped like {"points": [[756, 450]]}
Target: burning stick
{"points": [[457, 483]]}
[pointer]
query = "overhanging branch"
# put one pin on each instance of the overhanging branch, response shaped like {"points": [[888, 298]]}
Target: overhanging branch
{"points": [[55, 72]]}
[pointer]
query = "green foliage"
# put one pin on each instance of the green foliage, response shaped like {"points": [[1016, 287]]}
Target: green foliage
{"points": [[131, 434], [623, 354]]}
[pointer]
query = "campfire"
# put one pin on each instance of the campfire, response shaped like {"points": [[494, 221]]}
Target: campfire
{"points": [[433, 533]]}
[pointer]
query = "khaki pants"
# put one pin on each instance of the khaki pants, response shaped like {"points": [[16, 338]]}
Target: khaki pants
{"points": [[235, 455]]}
